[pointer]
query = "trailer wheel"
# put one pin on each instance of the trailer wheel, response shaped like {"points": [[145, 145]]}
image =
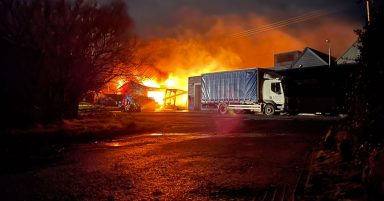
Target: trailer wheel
{"points": [[269, 109], [223, 108]]}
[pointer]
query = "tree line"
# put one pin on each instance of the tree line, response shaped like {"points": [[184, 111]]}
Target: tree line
{"points": [[368, 98], [54, 51]]}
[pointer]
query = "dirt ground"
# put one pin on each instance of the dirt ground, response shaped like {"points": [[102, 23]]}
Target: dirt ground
{"points": [[160, 156]]}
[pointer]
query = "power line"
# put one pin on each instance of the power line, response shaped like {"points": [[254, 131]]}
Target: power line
{"points": [[283, 23], [280, 23]]}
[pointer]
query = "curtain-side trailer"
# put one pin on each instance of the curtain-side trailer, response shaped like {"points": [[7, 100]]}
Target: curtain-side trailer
{"points": [[256, 90]]}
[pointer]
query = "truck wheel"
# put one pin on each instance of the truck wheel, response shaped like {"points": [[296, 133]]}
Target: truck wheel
{"points": [[223, 108], [269, 109]]}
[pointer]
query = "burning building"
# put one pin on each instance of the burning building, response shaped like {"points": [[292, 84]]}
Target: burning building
{"points": [[164, 95]]}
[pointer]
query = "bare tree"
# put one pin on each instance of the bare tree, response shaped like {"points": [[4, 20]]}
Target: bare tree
{"points": [[61, 49]]}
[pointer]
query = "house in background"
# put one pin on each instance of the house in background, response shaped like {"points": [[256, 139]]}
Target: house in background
{"points": [[313, 85], [309, 57], [286, 59], [312, 58], [351, 55]]}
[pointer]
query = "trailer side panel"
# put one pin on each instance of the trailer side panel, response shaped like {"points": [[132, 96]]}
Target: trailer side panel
{"points": [[230, 86]]}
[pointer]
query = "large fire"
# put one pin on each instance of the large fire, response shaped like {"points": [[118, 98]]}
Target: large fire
{"points": [[158, 91], [157, 95]]}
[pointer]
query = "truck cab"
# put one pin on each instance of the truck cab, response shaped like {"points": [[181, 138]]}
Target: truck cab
{"points": [[273, 96]]}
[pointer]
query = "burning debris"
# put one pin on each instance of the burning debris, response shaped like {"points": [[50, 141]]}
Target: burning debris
{"points": [[166, 96]]}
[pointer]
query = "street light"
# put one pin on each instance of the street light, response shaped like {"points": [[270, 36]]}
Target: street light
{"points": [[368, 11], [329, 51]]}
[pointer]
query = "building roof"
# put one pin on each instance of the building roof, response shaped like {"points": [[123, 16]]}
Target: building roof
{"points": [[351, 55], [132, 88], [311, 58], [285, 60]]}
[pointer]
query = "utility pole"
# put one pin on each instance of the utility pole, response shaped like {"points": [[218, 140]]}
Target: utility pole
{"points": [[329, 51]]}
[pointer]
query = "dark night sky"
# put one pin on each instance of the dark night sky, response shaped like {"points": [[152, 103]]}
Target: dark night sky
{"points": [[149, 15]]}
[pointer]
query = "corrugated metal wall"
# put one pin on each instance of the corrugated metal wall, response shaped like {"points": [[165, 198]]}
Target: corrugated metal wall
{"points": [[229, 86]]}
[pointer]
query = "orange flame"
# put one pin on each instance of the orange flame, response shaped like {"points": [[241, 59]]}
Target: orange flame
{"points": [[151, 83], [158, 91]]}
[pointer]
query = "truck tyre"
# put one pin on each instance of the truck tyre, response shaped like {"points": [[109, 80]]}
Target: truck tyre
{"points": [[223, 108], [269, 109]]}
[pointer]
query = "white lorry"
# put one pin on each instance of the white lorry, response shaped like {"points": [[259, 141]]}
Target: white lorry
{"points": [[256, 90]]}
